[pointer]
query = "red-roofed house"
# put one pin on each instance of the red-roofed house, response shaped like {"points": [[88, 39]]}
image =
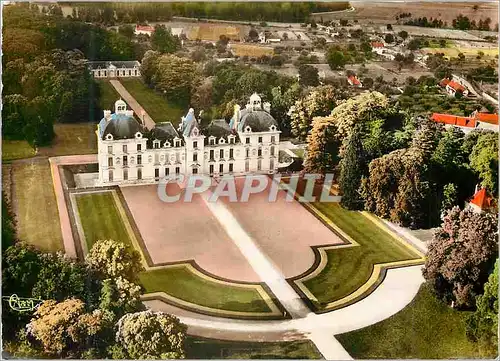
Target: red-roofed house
{"points": [[444, 82], [453, 88], [354, 81], [475, 120], [481, 201], [377, 44], [144, 29], [454, 120]]}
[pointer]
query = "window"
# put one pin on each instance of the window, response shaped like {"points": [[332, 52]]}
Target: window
{"points": [[167, 172], [157, 173], [211, 169], [110, 149], [247, 151], [221, 154], [125, 174], [110, 162], [211, 154], [124, 148], [231, 153], [98, 73], [110, 175], [157, 145], [259, 164], [105, 73], [177, 170], [195, 170], [272, 149], [271, 164], [272, 138], [247, 140], [139, 147], [230, 167], [135, 72], [139, 159], [125, 161], [259, 152], [260, 139], [211, 141], [139, 173], [231, 140], [221, 168], [195, 157], [195, 144], [247, 166]]}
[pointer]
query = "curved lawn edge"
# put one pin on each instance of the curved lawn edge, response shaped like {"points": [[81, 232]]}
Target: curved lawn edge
{"points": [[321, 259], [258, 300]]}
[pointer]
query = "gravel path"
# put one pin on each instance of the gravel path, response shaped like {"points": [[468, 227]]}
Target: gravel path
{"points": [[130, 100]]}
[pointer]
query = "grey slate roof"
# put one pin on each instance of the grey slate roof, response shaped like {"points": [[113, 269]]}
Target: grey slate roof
{"points": [[118, 64], [218, 128], [258, 120], [164, 131], [120, 126]]}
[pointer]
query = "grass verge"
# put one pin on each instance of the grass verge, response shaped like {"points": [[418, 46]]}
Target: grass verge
{"points": [[16, 149], [349, 268], [35, 205], [155, 105], [78, 138], [100, 219], [425, 329], [204, 348]]}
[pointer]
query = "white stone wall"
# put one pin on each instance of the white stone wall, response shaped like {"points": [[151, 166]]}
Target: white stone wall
{"points": [[116, 73]]}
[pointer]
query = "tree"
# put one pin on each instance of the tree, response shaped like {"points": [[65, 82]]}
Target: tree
{"points": [[308, 75], [65, 330], [352, 168], [389, 27], [126, 30], [389, 38], [461, 256], [282, 100], [163, 41], [482, 325], [120, 296], [149, 66], [450, 195], [253, 34], [484, 160], [403, 34], [8, 224], [335, 59], [113, 259], [151, 335]]}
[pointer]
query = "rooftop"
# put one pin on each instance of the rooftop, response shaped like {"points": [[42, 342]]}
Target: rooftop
{"points": [[482, 199], [454, 120]]}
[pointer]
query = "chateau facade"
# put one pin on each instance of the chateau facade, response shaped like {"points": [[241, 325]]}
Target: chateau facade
{"points": [[129, 153]]}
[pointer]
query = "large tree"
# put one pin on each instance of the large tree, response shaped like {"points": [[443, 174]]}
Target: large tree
{"points": [[163, 40], [461, 255], [308, 75], [352, 168], [151, 335], [484, 160]]}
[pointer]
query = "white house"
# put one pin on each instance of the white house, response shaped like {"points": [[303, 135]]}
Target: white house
{"points": [[249, 144], [114, 69], [144, 29]]}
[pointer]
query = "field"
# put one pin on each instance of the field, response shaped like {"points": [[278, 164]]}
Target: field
{"points": [[35, 205], [452, 52], [204, 348], [155, 105], [78, 138], [16, 149], [253, 51], [213, 32], [350, 267], [425, 329], [107, 96], [101, 219]]}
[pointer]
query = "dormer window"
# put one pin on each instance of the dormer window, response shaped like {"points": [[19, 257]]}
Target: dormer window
{"points": [[222, 141], [177, 142], [195, 132], [109, 136], [138, 135], [211, 140], [231, 139], [272, 128], [156, 144], [167, 144], [248, 129]]}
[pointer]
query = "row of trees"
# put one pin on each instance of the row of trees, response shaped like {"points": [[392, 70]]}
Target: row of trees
{"points": [[90, 309], [111, 13], [460, 22]]}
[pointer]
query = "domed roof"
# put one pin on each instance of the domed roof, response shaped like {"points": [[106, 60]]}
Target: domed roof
{"points": [[121, 126], [257, 120]]}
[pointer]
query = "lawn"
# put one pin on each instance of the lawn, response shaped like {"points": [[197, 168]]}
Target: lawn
{"points": [[299, 152], [349, 268], [468, 52], [251, 50], [204, 348], [16, 149], [35, 205], [107, 95], [153, 102], [101, 219], [425, 329], [77, 138]]}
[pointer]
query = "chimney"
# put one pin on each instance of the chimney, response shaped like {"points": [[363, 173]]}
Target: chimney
{"points": [[107, 115], [236, 116], [267, 107]]}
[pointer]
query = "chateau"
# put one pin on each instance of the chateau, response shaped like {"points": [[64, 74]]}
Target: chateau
{"points": [[129, 153]]}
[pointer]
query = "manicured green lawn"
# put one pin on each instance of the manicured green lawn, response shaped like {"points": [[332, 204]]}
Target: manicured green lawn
{"points": [[107, 95], [425, 329], [153, 102], [77, 138], [35, 205], [204, 348], [189, 287], [298, 152], [349, 268], [16, 149], [100, 219]]}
